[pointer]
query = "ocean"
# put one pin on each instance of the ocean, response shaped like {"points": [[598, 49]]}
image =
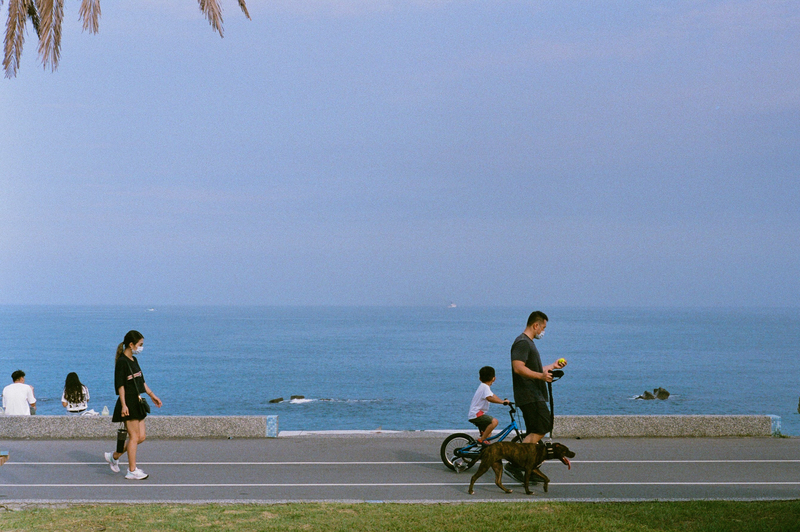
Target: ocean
{"points": [[410, 368]]}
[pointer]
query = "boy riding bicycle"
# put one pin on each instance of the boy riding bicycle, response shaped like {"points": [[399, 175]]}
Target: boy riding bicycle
{"points": [[480, 405]]}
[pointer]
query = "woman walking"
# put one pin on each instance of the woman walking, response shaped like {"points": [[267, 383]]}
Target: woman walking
{"points": [[76, 395], [131, 408]]}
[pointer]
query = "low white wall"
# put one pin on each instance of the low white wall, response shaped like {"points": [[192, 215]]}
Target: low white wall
{"points": [[665, 426], [101, 427]]}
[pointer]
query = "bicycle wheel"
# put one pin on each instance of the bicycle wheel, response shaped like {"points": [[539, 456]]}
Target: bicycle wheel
{"points": [[448, 450]]}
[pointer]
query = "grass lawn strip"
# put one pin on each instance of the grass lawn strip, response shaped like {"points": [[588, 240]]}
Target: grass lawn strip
{"points": [[511, 517]]}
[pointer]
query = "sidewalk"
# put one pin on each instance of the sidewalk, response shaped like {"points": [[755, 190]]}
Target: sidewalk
{"points": [[399, 467]]}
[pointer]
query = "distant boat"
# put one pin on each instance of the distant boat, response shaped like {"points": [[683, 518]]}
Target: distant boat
{"points": [[451, 305], [151, 310]]}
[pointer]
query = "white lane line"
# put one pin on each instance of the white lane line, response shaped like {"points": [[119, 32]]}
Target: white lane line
{"points": [[684, 461], [574, 462], [737, 483], [219, 463], [251, 485], [387, 484]]}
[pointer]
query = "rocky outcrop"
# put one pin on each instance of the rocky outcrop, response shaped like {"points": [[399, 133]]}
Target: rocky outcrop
{"points": [[660, 393], [292, 398]]}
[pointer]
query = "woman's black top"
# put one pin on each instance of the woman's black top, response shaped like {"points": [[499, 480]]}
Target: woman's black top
{"points": [[128, 373]]}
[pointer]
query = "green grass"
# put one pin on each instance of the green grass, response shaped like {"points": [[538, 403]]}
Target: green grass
{"points": [[483, 517]]}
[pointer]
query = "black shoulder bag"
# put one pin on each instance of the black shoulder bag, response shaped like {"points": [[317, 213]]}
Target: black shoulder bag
{"points": [[144, 404]]}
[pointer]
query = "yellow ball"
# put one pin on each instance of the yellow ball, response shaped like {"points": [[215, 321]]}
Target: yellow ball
{"points": [[562, 361]]}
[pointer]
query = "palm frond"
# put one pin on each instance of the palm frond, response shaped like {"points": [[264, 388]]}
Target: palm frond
{"points": [[244, 9], [51, 13], [32, 14], [15, 36], [90, 15], [213, 13]]}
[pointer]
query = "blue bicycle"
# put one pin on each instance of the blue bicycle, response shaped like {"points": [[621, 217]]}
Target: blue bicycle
{"points": [[461, 451]]}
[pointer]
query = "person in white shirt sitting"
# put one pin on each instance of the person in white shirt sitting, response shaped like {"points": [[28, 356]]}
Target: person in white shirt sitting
{"points": [[18, 398], [76, 396]]}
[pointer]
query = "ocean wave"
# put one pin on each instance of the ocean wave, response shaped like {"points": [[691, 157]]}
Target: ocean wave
{"points": [[306, 400], [300, 401], [639, 398]]}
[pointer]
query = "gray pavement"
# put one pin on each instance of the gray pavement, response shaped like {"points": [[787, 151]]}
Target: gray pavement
{"points": [[401, 467]]}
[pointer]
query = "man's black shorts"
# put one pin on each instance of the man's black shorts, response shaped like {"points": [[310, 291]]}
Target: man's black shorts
{"points": [[537, 418]]}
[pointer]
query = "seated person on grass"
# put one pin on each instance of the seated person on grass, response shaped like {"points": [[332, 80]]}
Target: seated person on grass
{"points": [[480, 405]]}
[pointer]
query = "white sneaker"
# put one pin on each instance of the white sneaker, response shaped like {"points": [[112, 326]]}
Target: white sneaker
{"points": [[136, 474], [113, 464]]}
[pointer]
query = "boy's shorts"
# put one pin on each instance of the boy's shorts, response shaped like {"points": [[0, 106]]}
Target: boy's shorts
{"points": [[537, 418], [482, 422]]}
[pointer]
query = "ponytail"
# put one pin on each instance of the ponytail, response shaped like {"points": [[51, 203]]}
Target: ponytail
{"points": [[132, 337]]}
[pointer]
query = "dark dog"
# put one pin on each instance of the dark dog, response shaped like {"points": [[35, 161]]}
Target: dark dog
{"points": [[528, 456]]}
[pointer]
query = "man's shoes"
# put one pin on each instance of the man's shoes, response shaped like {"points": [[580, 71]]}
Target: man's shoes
{"points": [[113, 464], [518, 474], [515, 472], [136, 474]]}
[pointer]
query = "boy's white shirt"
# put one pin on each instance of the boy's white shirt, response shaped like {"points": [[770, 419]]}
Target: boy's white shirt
{"points": [[479, 404]]}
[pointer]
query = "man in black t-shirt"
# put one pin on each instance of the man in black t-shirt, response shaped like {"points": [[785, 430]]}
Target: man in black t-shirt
{"points": [[530, 379], [530, 385]]}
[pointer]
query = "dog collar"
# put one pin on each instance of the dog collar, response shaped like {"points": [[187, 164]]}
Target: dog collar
{"points": [[550, 453]]}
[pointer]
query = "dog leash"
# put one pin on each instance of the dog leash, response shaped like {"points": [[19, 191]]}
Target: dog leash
{"points": [[552, 410], [557, 374], [548, 445]]}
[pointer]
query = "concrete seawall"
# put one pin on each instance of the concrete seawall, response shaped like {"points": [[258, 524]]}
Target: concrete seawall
{"points": [[665, 426], [163, 427], [101, 427]]}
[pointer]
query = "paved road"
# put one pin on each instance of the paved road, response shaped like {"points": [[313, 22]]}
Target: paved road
{"points": [[396, 468]]}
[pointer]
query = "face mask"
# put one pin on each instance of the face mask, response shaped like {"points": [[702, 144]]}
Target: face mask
{"points": [[138, 350], [539, 336]]}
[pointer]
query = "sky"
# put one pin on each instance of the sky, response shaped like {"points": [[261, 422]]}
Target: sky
{"points": [[407, 152]]}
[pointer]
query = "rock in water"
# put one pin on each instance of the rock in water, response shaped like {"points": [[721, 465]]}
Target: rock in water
{"points": [[647, 396], [298, 397], [278, 400], [661, 393]]}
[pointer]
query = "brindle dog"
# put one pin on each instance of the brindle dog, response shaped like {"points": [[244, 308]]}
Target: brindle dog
{"points": [[528, 456]]}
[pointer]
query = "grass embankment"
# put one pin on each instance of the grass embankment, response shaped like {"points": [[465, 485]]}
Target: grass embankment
{"points": [[512, 517]]}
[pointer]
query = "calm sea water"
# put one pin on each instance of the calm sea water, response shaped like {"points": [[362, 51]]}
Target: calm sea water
{"points": [[410, 368]]}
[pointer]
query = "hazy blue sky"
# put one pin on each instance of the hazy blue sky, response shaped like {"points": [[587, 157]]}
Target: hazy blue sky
{"points": [[408, 152]]}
